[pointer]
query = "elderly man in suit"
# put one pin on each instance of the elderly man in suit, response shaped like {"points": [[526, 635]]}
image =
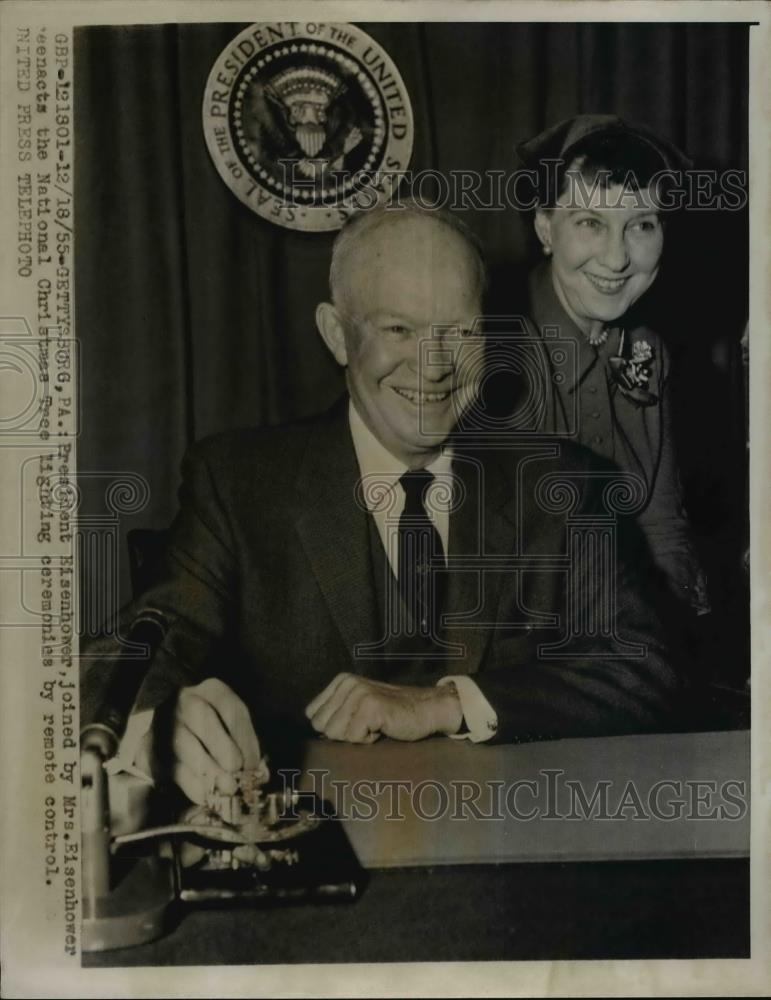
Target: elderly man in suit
{"points": [[370, 574]]}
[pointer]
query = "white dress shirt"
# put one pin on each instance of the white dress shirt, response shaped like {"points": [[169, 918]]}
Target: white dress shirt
{"points": [[384, 497]]}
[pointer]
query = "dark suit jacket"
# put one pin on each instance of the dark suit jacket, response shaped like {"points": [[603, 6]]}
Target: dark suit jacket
{"points": [[268, 583]]}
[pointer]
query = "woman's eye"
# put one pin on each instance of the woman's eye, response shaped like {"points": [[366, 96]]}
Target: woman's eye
{"points": [[645, 226], [397, 328], [589, 223]]}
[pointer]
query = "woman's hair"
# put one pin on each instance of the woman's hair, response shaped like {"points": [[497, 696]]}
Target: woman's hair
{"points": [[607, 158]]}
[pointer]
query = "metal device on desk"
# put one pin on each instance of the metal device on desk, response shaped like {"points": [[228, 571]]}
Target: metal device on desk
{"points": [[248, 846]]}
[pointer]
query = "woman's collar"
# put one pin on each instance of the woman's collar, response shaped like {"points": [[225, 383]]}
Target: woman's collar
{"points": [[547, 311]]}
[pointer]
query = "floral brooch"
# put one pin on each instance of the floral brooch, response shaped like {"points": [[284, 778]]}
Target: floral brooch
{"points": [[632, 375]]}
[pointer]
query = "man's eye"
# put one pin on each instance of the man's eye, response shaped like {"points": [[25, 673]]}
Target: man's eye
{"points": [[397, 328], [645, 226]]}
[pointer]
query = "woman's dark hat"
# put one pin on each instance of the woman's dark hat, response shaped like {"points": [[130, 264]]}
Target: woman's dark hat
{"points": [[557, 142]]}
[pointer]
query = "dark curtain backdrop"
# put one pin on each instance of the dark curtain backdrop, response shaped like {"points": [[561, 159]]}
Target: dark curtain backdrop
{"points": [[195, 315]]}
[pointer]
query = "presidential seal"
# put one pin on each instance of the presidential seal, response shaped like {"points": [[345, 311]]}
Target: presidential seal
{"points": [[307, 122]]}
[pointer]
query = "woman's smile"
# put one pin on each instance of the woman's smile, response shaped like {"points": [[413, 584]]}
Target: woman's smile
{"points": [[607, 286]]}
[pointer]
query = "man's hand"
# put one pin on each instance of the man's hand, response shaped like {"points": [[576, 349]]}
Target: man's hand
{"points": [[212, 737], [360, 710]]}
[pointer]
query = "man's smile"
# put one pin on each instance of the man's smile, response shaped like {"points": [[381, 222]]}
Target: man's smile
{"points": [[416, 396]]}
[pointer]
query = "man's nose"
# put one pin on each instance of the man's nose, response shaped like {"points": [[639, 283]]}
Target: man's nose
{"points": [[436, 357], [615, 253]]}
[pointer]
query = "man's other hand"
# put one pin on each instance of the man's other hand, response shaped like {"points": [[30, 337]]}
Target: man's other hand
{"points": [[212, 738], [360, 710]]}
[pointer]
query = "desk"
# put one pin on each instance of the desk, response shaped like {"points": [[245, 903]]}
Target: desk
{"points": [[511, 889], [657, 797]]}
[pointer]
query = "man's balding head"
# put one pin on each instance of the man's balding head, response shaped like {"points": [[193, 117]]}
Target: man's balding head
{"points": [[361, 232]]}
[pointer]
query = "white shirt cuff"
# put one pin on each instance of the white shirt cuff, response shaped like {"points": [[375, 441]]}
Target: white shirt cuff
{"points": [[479, 715]]}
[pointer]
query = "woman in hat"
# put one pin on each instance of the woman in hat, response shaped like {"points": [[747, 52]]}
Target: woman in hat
{"points": [[601, 225]]}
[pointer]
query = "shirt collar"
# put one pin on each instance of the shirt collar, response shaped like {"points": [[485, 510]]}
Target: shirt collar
{"points": [[376, 460]]}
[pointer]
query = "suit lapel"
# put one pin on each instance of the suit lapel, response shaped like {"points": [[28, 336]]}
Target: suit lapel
{"points": [[333, 530], [334, 533], [480, 528]]}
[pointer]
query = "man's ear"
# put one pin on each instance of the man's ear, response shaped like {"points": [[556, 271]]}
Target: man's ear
{"points": [[330, 326], [542, 225]]}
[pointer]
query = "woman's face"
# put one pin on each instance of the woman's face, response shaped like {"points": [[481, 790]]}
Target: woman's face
{"points": [[606, 246]]}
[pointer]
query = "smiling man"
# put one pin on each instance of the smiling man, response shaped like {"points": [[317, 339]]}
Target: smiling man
{"points": [[368, 573], [398, 278]]}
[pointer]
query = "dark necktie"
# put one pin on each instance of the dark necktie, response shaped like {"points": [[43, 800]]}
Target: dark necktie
{"points": [[421, 558]]}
